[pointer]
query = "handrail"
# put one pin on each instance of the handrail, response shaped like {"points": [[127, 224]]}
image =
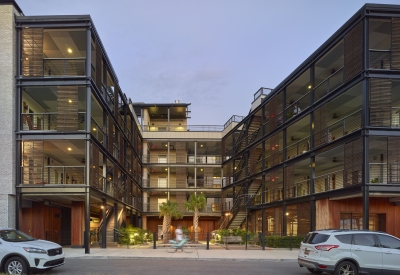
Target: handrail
{"points": [[341, 120], [326, 79], [324, 175]]}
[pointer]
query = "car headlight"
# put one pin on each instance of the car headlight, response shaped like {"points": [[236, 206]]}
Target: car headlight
{"points": [[35, 250]]}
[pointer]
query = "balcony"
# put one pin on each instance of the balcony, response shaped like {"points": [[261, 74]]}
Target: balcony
{"points": [[328, 85], [182, 128], [53, 122], [299, 189], [209, 208], [53, 175], [380, 59], [299, 147], [64, 66], [330, 181], [384, 173]]}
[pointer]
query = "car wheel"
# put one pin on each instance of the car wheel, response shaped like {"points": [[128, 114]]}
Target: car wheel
{"points": [[16, 265], [346, 268], [313, 271]]}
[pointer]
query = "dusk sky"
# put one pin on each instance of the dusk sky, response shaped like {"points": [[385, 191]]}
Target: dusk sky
{"points": [[214, 54]]}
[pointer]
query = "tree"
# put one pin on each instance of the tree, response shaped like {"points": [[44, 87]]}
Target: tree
{"points": [[168, 210], [195, 204]]}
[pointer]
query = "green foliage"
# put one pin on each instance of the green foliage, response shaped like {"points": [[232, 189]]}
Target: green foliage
{"points": [[283, 242], [130, 235], [170, 208], [195, 202], [185, 231]]}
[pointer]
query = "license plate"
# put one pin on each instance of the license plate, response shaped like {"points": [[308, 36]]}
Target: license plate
{"points": [[306, 252]]}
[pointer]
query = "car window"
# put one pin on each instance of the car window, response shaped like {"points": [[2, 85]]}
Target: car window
{"points": [[344, 238], [315, 238], [364, 239], [15, 236], [389, 242]]}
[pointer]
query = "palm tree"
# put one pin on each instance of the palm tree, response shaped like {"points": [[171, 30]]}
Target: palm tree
{"points": [[170, 211], [195, 204]]}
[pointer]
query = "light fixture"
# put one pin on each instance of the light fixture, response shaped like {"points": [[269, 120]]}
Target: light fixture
{"points": [[102, 207], [166, 169], [287, 213], [201, 169], [69, 149], [309, 86], [26, 58], [166, 145], [69, 100], [69, 50], [94, 129], [201, 145]]}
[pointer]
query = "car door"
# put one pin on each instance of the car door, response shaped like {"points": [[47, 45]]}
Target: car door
{"points": [[390, 254], [366, 251]]}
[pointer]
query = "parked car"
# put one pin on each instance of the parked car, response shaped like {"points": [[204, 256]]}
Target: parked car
{"points": [[348, 252], [19, 252]]}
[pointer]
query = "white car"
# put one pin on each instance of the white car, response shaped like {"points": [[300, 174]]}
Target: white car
{"points": [[19, 252], [350, 252]]}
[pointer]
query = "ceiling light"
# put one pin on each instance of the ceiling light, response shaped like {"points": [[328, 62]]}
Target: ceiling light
{"points": [[69, 50], [166, 169], [94, 129], [166, 145], [201, 145], [309, 87], [69, 149], [70, 101]]}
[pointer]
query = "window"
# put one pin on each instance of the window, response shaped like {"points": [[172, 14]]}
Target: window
{"points": [[162, 158], [160, 201], [389, 242], [364, 239], [344, 238], [162, 182], [354, 221], [315, 238]]}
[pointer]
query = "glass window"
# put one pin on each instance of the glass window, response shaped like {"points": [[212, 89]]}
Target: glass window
{"points": [[389, 242], [315, 238], [364, 239], [344, 238]]}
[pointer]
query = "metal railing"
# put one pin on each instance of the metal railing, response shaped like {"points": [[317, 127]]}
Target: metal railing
{"points": [[344, 126], [380, 59], [330, 181], [262, 91], [64, 66], [300, 147], [329, 84], [97, 131], [53, 174], [188, 158], [299, 189], [182, 128], [233, 118], [53, 121], [209, 208], [297, 106], [382, 173]]}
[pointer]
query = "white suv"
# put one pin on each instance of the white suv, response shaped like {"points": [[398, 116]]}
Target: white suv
{"points": [[20, 252], [350, 252]]}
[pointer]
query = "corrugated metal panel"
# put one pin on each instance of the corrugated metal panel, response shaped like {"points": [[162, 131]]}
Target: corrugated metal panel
{"points": [[353, 49], [67, 108], [353, 162], [380, 102], [396, 43]]}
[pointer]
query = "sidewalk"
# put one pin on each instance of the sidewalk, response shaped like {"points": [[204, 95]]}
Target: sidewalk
{"points": [[194, 254]]}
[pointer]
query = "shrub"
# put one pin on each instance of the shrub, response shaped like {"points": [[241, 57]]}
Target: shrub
{"points": [[130, 235], [283, 242]]}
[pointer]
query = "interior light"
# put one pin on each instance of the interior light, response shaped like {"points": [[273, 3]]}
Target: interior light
{"points": [[69, 149], [309, 87], [26, 58], [166, 145], [201, 145], [69, 50], [102, 207], [94, 129], [70, 101], [166, 169], [287, 213]]}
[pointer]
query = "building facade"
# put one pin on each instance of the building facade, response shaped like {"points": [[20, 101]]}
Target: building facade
{"points": [[80, 158]]}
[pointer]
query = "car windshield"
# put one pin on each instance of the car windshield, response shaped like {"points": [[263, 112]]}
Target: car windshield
{"points": [[15, 236], [315, 238]]}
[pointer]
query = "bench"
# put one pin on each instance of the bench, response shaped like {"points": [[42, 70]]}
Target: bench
{"points": [[231, 239]]}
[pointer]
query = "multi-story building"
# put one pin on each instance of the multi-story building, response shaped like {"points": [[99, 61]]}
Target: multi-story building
{"points": [[321, 150], [80, 158]]}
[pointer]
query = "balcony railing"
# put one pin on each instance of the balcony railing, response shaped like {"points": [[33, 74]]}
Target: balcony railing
{"points": [[209, 208], [300, 147], [299, 105], [182, 128], [97, 131], [344, 126], [328, 85], [299, 189], [382, 173], [53, 174], [380, 59], [52, 122], [233, 118], [200, 159], [64, 66], [206, 183], [330, 181]]}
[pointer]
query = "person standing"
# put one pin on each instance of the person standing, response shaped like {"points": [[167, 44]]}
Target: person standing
{"points": [[179, 233]]}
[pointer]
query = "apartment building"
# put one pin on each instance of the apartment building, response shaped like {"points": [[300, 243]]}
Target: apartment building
{"points": [[321, 150], [80, 158]]}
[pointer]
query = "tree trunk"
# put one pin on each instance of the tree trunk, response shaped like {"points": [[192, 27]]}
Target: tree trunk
{"points": [[196, 225], [166, 228]]}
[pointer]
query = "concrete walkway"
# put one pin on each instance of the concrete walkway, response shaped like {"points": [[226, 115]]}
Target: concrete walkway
{"points": [[199, 253]]}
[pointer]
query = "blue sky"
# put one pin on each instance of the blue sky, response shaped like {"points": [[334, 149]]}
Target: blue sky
{"points": [[214, 54]]}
